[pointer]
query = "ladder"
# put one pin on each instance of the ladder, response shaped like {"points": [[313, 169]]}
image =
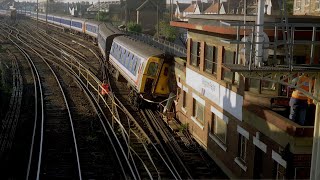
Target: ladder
{"points": [[286, 33]]}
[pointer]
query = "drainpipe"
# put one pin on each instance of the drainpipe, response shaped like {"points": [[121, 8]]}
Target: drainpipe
{"points": [[138, 13], [315, 160], [258, 62]]}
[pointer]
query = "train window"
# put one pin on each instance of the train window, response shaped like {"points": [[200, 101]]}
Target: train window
{"points": [[153, 68], [131, 63], [127, 61], [136, 62]]}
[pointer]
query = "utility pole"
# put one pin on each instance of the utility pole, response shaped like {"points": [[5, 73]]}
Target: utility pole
{"points": [[99, 11], [37, 12], [315, 159], [218, 7], [259, 38], [171, 9], [47, 14], [158, 33]]}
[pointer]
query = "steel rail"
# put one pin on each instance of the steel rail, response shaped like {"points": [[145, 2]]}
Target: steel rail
{"points": [[69, 113]]}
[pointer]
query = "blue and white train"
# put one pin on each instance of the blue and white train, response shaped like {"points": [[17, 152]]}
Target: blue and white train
{"points": [[144, 67]]}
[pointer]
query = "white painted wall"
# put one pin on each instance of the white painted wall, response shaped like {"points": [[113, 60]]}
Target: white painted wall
{"points": [[223, 97]]}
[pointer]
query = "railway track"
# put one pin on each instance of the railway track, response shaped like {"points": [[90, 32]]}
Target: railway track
{"points": [[52, 113], [131, 132], [9, 123]]}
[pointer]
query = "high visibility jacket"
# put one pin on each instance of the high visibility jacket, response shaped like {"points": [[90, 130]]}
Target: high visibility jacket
{"points": [[305, 84], [105, 89]]}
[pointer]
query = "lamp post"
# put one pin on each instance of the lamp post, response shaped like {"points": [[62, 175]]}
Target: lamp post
{"points": [[99, 11], [47, 14], [158, 33], [37, 12]]}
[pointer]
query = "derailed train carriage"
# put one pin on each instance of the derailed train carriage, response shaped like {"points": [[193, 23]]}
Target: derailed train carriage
{"points": [[145, 68]]}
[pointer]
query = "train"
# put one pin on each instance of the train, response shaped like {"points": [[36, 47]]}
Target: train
{"points": [[9, 13], [144, 67]]}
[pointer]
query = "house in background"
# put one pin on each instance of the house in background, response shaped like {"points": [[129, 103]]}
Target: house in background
{"points": [[225, 7], [113, 8], [306, 7], [179, 12], [147, 15]]}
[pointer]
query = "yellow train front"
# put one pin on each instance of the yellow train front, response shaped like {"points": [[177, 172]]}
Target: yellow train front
{"points": [[144, 67]]}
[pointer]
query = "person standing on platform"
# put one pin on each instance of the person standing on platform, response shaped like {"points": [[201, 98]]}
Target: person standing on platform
{"points": [[299, 101], [105, 89]]}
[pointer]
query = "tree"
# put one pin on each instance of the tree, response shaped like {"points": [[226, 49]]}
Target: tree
{"points": [[102, 16], [290, 7], [134, 27], [167, 31]]}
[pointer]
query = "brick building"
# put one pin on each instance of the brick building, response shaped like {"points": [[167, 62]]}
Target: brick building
{"points": [[306, 7], [232, 117]]}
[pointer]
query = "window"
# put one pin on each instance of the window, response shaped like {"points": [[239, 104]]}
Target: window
{"points": [[267, 86], [228, 58], [198, 111], [281, 172], [153, 68], [242, 148], [317, 4], [298, 4], [184, 99], [137, 64], [210, 59], [219, 128], [195, 54]]}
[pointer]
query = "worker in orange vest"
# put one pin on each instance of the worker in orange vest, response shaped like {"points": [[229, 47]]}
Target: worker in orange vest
{"points": [[105, 88], [298, 101]]}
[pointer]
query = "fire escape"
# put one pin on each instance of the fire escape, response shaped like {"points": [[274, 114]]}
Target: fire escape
{"points": [[255, 47]]}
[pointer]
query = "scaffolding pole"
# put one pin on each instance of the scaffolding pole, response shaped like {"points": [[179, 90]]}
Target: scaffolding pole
{"points": [[315, 160]]}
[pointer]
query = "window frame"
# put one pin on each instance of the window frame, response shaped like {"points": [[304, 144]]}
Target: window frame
{"points": [[306, 2], [298, 4], [317, 3], [233, 62], [213, 69], [195, 58], [184, 99], [195, 113], [242, 148], [214, 126]]}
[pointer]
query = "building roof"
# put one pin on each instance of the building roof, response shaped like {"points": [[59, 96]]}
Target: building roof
{"points": [[230, 6], [147, 4], [104, 6], [182, 6], [204, 6], [213, 8], [191, 8]]}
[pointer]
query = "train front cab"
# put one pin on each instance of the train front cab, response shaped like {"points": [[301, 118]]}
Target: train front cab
{"points": [[155, 79]]}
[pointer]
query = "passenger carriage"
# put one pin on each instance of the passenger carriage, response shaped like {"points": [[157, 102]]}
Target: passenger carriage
{"points": [[105, 38], [143, 66]]}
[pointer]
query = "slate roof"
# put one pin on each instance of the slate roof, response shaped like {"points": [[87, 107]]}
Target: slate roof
{"points": [[104, 6], [147, 4], [191, 8], [203, 6], [213, 8], [183, 6]]}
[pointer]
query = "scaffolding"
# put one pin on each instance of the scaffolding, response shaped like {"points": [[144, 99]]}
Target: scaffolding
{"points": [[257, 57]]}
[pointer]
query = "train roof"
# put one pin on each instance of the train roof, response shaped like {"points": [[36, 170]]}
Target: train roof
{"points": [[138, 47], [106, 30], [90, 21]]}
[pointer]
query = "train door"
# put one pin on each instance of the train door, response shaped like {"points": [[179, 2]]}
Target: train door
{"points": [[151, 74]]}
